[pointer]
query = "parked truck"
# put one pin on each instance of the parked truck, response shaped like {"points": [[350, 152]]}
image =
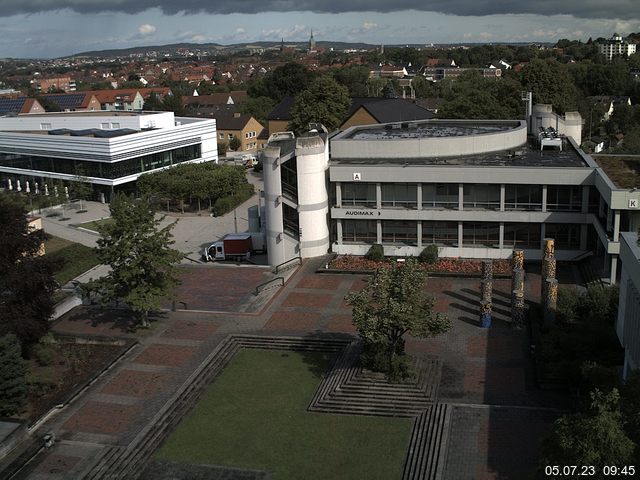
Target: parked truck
{"points": [[234, 246]]}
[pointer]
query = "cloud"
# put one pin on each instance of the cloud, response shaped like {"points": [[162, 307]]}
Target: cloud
{"points": [[294, 32], [597, 9], [146, 29]]}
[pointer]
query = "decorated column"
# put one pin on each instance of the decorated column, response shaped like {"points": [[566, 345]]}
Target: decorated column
{"points": [[551, 301], [485, 314], [517, 308], [486, 283]]}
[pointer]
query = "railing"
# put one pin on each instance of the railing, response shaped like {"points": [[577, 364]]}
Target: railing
{"points": [[287, 265], [274, 282]]}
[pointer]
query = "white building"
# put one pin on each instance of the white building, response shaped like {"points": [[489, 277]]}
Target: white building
{"points": [[616, 46], [111, 149], [628, 323]]}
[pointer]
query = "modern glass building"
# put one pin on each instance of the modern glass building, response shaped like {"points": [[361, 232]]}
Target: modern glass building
{"points": [[110, 149]]}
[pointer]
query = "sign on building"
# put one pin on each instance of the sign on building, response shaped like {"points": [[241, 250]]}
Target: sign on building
{"points": [[357, 177]]}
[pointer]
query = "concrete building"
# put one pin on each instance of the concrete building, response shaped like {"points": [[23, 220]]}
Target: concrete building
{"points": [[477, 189], [112, 149], [616, 46], [628, 323]]}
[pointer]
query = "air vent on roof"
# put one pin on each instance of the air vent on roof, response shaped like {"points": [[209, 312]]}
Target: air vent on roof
{"points": [[396, 126]]}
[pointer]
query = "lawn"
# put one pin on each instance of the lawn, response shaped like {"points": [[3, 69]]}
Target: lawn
{"points": [[254, 416], [93, 225], [76, 258]]}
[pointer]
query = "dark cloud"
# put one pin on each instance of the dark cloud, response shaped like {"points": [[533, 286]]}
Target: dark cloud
{"points": [[599, 9]]}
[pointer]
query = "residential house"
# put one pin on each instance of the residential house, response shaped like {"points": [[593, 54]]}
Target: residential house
{"points": [[119, 100], [20, 105], [67, 84], [616, 46], [244, 127], [501, 64], [73, 102], [610, 102], [370, 111]]}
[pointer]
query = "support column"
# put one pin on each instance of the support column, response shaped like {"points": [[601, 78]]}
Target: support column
{"points": [[544, 198], [378, 196], [585, 199], [517, 309], [614, 269], [339, 231], [461, 198], [459, 234], [419, 232], [486, 284], [419, 196], [338, 195], [543, 234], [501, 236], [378, 231], [616, 225], [551, 301], [502, 197], [583, 236]]}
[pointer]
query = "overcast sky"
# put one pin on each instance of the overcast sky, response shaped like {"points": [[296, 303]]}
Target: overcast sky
{"points": [[50, 28]]}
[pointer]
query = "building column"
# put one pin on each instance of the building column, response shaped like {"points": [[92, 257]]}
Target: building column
{"points": [[501, 235], [616, 225], [378, 231], [544, 199], [585, 199], [338, 195], [419, 232], [339, 231], [378, 196], [460, 233], [503, 193], [543, 234], [460, 198], [419, 198], [583, 236], [600, 207], [614, 269]]}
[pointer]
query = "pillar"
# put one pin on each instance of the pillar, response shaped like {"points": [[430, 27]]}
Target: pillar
{"points": [[419, 198], [460, 198], [378, 196], [517, 309], [518, 259], [550, 301]]}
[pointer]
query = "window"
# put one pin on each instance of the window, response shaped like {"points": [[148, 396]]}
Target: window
{"points": [[440, 233], [45, 126], [359, 231], [246, 135], [115, 125], [481, 234], [481, 196], [104, 126], [221, 136], [359, 194], [566, 235], [399, 232], [564, 198], [440, 195], [522, 235], [230, 136], [523, 197], [403, 195]]}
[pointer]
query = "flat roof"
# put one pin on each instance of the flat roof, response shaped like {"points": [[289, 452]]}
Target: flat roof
{"points": [[430, 129], [91, 113], [622, 170], [528, 155]]}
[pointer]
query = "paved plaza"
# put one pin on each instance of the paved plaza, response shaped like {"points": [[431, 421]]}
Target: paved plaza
{"points": [[498, 416]]}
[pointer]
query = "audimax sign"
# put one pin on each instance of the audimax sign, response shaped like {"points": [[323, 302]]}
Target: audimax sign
{"points": [[359, 213]]}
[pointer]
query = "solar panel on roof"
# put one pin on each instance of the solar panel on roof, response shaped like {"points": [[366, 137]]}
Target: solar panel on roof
{"points": [[11, 104], [66, 101]]}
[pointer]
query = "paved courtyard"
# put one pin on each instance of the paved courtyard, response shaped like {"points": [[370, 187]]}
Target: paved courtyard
{"points": [[498, 415]]}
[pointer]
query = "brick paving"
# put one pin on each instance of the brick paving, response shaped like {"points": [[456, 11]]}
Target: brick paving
{"points": [[485, 372]]}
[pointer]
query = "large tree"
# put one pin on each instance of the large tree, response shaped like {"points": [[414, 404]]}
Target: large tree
{"points": [[26, 279], [325, 101], [140, 256], [13, 389], [592, 437], [394, 303]]}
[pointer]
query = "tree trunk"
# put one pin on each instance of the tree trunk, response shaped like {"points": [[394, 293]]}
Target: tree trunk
{"points": [[144, 320]]}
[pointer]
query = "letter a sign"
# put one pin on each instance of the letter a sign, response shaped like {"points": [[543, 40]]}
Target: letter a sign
{"points": [[357, 177]]}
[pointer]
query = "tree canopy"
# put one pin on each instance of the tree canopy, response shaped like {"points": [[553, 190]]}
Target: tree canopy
{"points": [[140, 256], [287, 80], [13, 388], [394, 303], [26, 279], [325, 101]]}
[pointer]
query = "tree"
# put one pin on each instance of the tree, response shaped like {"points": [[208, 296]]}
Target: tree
{"points": [[81, 187], [392, 304], [26, 281], [235, 144], [550, 83], [325, 101], [287, 80], [259, 108], [593, 437], [13, 388], [139, 254], [355, 78]]}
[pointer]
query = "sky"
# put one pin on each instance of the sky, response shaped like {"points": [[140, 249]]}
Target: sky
{"points": [[53, 28]]}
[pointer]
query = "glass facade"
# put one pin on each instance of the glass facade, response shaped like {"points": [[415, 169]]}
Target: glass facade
{"points": [[402, 195], [440, 233], [399, 232], [359, 194], [481, 234], [523, 197], [359, 231], [291, 220], [440, 195], [522, 235], [289, 178], [481, 196], [110, 171], [566, 235], [564, 198]]}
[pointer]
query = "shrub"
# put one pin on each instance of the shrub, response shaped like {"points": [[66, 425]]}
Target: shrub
{"points": [[43, 354], [377, 357], [429, 255], [224, 205], [567, 306], [376, 252]]}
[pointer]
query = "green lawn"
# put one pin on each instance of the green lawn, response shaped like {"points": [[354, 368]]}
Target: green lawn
{"points": [[76, 258], [254, 416], [93, 225]]}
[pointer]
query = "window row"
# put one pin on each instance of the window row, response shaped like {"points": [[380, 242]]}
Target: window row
{"points": [[474, 196], [474, 234], [87, 168]]}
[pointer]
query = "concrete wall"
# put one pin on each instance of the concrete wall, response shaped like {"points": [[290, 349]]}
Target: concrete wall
{"points": [[79, 121], [628, 321], [570, 124]]}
